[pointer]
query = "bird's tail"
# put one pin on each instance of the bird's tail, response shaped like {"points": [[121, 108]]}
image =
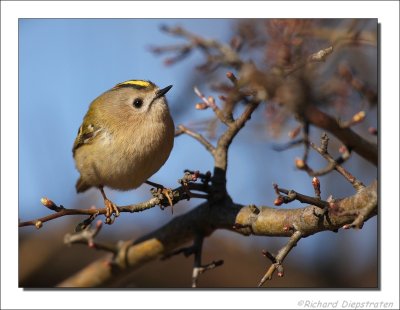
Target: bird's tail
{"points": [[81, 186]]}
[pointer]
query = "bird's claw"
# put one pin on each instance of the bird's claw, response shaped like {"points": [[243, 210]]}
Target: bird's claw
{"points": [[167, 192], [111, 209]]}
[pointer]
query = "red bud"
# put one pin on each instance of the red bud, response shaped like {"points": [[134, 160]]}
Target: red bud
{"points": [[278, 201]]}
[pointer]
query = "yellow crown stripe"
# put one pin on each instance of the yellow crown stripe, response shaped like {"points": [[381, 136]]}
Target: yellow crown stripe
{"points": [[135, 82]]}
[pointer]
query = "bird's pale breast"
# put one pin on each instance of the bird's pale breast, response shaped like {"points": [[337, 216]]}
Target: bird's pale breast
{"points": [[126, 161]]}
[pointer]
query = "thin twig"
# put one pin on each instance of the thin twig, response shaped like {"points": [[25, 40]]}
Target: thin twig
{"points": [[210, 103], [179, 193], [216, 53], [356, 119], [319, 56], [357, 184], [86, 236], [323, 149], [293, 195], [349, 138], [198, 268], [278, 259], [288, 145], [357, 84], [196, 250], [200, 138]]}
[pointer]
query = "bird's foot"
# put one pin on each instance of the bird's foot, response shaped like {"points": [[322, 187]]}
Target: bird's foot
{"points": [[166, 192], [111, 209]]}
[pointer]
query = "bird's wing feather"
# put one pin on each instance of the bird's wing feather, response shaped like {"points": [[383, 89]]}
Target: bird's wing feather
{"points": [[86, 135]]}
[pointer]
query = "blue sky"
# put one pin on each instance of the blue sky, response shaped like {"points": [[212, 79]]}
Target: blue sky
{"points": [[65, 63]]}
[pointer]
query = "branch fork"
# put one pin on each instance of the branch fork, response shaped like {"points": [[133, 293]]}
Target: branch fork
{"points": [[278, 259], [196, 250], [162, 197]]}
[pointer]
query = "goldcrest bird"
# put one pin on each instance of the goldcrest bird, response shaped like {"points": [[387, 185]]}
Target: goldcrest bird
{"points": [[126, 136]]}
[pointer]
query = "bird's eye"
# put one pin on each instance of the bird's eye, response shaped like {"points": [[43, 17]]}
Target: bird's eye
{"points": [[137, 103]]}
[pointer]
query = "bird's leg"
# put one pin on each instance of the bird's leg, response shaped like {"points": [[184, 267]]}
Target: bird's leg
{"points": [[167, 192], [110, 207]]}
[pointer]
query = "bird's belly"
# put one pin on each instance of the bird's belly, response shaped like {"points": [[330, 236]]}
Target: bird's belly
{"points": [[127, 168]]}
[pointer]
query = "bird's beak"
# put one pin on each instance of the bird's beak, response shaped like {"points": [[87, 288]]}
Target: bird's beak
{"points": [[162, 92]]}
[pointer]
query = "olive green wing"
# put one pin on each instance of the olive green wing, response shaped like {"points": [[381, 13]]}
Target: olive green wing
{"points": [[86, 135]]}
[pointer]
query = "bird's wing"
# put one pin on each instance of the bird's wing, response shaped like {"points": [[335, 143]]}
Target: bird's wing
{"points": [[86, 134]]}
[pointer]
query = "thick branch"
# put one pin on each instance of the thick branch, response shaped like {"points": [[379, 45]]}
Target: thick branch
{"points": [[221, 160], [348, 137], [246, 220]]}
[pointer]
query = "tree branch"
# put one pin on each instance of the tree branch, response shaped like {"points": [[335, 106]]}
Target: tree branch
{"points": [[219, 211], [357, 184], [221, 153], [216, 52], [178, 194], [353, 141], [200, 138], [246, 220], [278, 259], [86, 236]]}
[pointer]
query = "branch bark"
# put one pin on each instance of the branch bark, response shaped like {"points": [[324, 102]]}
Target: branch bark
{"points": [[348, 137], [247, 220]]}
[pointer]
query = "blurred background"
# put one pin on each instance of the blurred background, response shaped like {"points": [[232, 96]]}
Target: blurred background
{"points": [[66, 63]]}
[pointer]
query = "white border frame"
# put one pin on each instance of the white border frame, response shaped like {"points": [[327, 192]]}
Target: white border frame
{"points": [[387, 14]]}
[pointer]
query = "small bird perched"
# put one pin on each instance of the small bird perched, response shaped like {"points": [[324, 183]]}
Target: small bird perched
{"points": [[126, 136]]}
